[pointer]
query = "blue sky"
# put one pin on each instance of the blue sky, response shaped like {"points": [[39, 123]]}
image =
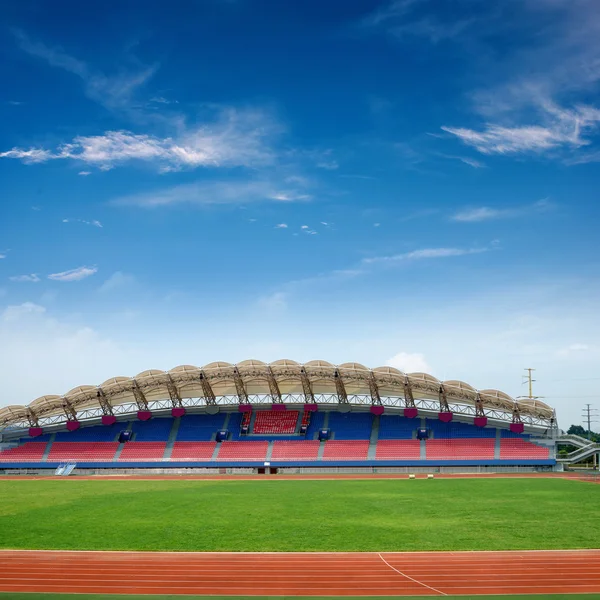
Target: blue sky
{"points": [[409, 182]]}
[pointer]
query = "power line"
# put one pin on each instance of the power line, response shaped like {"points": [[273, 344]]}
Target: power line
{"points": [[588, 413]]}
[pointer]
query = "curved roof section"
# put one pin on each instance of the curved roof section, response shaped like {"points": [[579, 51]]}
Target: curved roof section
{"points": [[257, 377]]}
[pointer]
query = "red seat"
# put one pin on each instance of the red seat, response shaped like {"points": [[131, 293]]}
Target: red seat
{"points": [[243, 451], [142, 451], [275, 421], [346, 450], [460, 449], [82, 451], [295, 450], [398, 449], [28, 452], [511, 448], [193, 451]]}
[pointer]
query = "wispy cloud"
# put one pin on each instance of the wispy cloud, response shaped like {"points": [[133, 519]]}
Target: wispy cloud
{"points": [[33, 278], [15, 312], [163, 100], [423, 254], [74, 274], [235, 138], [486, 213], [281, 226], [217, 192], [476, 164], [562, 129], [94, 223], [84, 173], [117, 280], [416, 18], [112, 91]]}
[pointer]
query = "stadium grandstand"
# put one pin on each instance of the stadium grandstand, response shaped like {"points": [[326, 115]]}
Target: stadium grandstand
{"points": [[283, 416]]}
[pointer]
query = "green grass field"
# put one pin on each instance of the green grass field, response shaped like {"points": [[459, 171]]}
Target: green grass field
{"points": [[299, 515]]}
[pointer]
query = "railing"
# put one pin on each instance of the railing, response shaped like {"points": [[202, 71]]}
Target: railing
{"points": [[574, 440]]}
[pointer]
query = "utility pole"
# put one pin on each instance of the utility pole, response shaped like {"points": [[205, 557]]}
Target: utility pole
{"points": [[588, 414], [530, 381]]}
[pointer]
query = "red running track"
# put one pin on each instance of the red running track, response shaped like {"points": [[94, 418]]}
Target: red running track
{"points": [[306, 574]]}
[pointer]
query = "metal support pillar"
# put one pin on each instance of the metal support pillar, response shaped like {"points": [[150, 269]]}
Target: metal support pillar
{"points": [[409, 399], [173, 392], [443, 400], [140, 399], [374, 390], [273, 387], [105, 405], [239, 387], [340, 388], [309, 397], [207, 391]]}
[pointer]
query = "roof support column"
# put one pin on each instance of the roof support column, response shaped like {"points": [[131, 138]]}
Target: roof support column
{"points": [[340, 388], [239, 387], [173, 392], [207, 391], [479, 412], [409, 400], [443, 400], [375, 396], [516, 415], [105, 405], [32, 418], [70, 412], [140, 399], [309, 397], [273, 387]]}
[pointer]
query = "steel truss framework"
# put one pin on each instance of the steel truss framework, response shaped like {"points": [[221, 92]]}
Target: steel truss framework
{"points": [[254, 382]]}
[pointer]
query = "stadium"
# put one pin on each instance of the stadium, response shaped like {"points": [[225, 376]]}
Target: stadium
{"points": [[283, 415], [288, 480]]}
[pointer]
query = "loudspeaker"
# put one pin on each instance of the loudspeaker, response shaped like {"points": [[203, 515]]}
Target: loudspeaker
{"points": [[324, 434], [222, 435], [125, 436], [422, 434]]}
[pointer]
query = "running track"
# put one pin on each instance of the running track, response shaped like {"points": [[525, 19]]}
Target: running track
{"points": [[277, 574]]}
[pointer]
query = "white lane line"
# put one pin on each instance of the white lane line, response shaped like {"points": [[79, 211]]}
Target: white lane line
{"points": [[408, 577]]}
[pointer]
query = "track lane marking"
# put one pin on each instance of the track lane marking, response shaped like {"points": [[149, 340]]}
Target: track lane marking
{"points": [[409, 577]]}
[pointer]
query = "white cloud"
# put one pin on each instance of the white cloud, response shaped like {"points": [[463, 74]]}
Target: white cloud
{"points": [[2, 256], [476, 164], [33, 278], [281, 226], [162, 100], [234, 138], [573, 350], [425, 253], [276, 302], [401, 18], [84, 173], [376, 224], [31, 156], [213, 193], [115, 91], [304, 227], [74, 274], [409, 363], [117, 281], [95, 223], [485, 213], [16, 312]]}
